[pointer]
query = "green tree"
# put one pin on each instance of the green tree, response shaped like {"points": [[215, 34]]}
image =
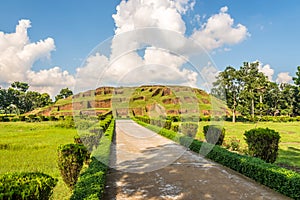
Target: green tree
{"points": [[273, 98], [227, 87], [287, 98], [253, 85], [296, 104], [296, 79], [43, 100], [18, 97], [64, 93], [20, 86]]}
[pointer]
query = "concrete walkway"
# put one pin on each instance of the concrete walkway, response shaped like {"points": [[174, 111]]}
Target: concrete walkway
{"points": [[148, 166]]}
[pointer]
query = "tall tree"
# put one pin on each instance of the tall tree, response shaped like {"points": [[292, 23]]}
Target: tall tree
{"points": [[227, 87], [273, 99], [20, 86], [287, 98], [296, 79], [253, 84], [296, 104]]}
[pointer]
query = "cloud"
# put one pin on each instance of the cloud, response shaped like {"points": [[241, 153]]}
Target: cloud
{"points": [[284, 77], [140, 54], [224, 9], [220, 30], [47, 80], [208, 76], [149, 56], [18, 54], [166, 14], [267, 70]]}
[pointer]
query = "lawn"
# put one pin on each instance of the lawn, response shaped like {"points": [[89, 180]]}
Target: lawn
{"points": [[32, 147], [289, 146]]}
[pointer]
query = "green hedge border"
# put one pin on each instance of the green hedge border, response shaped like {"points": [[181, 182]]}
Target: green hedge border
{"points": [[282, 180], [91, 183]]}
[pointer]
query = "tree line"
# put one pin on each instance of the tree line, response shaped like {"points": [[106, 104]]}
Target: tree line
{"points": [[17, 99], [249, 92]]}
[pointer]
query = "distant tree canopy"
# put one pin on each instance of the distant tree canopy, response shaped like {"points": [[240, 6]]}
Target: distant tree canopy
{"points": [[17, 99], [249, 92], [63, 94]]}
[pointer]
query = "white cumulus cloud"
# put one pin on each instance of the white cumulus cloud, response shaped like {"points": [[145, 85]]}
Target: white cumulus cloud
{"points": [[284, 77], [18, 54], [163, 59], [166, 14], [165, 54], [267, 70], [220, 30]]}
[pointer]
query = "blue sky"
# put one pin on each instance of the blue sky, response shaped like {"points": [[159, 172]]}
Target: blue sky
{"points": [[78, 26]]}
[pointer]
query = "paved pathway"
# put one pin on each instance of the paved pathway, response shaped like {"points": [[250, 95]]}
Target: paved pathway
{"points": [[148, 166]]}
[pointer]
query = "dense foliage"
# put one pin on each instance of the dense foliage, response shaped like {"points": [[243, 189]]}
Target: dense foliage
{"points": [[34, 186], [263, 143], [214, 134], [282, 180], [91, 131], [63, 94], [248, 91], [17, 99], [70, 162]]}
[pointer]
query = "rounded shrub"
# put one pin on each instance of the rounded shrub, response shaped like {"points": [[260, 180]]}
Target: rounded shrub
{"points": [[25, 185], [70, 162], [214, 134], [263, 143], [188, 128]]}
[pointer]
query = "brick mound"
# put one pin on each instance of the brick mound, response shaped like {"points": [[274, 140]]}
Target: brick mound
{"points": [[175, 100]]}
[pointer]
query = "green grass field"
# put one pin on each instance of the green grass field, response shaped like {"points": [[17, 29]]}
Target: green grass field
{"points": [[289, 146], [32, 147]]}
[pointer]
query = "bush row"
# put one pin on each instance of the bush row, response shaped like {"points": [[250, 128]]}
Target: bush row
{"points": [[34, 186], [92, 136], [187, 128], [176, 118], [282, 180], [164, 123], [39, 118], [91, 183], [29, 118], [278, 119]]}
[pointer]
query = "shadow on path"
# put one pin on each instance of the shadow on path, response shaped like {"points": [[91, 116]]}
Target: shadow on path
{"points": [[189, 176]]}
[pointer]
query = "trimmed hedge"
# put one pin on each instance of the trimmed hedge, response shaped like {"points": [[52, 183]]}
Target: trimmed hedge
{"points": [[263, 143], [188, 128], [282, 180], [70, 162], [95, 131], [164, 123], [214, 134], [91, 183], [25, 185]]}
